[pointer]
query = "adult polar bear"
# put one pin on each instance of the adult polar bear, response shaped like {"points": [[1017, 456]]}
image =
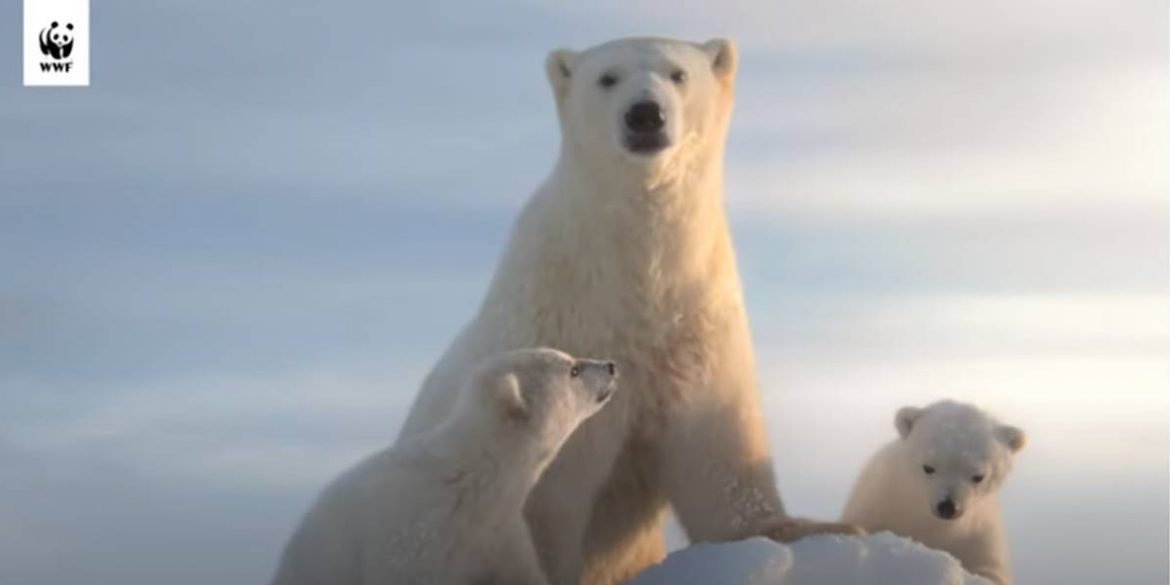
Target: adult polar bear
{"points": [[624, 252]]}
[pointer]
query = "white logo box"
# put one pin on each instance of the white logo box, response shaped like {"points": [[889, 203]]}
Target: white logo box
{"points": [[56, 56]]}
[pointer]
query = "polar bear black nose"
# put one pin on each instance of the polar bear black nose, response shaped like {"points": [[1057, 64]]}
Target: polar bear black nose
{"points": [[645, 117], [611, 367], [946, 509]]}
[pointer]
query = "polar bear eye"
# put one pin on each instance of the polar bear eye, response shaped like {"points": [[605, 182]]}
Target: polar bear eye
{"points": [[574, 371], [977, 478], [608, 80], [928, 469], [678, 77]]}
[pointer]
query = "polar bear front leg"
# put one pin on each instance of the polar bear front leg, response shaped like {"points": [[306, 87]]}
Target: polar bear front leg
{"points": [[518, 565], [717, 472], [717, 469], [790, 529], [558, 521], [985, 553], [560, 507]]}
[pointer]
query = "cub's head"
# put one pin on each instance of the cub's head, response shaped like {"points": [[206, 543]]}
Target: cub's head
{"points": [[539, 396], [642, 99], [955, 455]]}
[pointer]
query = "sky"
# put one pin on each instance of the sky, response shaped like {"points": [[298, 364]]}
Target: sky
{"points": [[226, 266]]}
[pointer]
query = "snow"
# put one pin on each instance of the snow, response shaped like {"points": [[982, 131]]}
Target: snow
{"points": [[878, 559]]}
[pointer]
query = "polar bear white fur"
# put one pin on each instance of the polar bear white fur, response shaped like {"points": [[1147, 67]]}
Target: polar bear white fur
{"points": [[624, 250], [937, 484], [446, 507]]}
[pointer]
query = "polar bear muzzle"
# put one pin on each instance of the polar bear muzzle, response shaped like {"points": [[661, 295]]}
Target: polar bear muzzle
{"points": [[645, 122]]}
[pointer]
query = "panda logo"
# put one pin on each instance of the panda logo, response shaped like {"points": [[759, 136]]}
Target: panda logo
{"points": [[57, 41]]}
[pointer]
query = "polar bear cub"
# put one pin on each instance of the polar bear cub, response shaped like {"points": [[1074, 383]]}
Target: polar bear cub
{"points": [[446, 507], [937, 484]]}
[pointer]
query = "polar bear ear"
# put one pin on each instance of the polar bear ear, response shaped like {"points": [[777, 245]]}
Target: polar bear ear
{"points": [[505, 393], [1013, 437], [724, 58], [559, 68], [905, 419]]}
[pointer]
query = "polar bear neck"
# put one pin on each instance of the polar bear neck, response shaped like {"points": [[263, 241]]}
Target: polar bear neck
{"points": [[494, 474], [591, 247], [667, 215]]}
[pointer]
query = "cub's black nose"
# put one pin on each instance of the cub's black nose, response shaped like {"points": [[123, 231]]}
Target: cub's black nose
{"points": [[611, 367], [946, 509], [645, 118]]}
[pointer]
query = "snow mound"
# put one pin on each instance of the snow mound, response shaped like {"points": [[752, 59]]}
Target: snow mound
{"points": [[877, 559], [757, 561]]}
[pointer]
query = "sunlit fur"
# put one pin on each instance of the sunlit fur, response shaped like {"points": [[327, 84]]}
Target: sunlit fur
{"points": [[629, 256]]}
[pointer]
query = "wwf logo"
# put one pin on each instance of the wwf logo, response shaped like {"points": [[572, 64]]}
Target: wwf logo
{"points": [[57, 41]]}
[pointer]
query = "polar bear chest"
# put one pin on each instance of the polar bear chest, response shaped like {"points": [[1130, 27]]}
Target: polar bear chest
{"points": [[663, 341]]}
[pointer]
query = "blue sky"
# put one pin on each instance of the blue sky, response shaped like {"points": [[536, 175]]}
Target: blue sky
{"points": [[225, 266]]}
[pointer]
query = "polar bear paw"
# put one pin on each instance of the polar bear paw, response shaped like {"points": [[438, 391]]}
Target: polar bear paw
{"points": [[793, 529]]}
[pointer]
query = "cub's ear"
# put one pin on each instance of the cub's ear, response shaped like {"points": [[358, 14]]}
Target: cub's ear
{"points": [[724, 58], [905, 419], [559, 68], [1013, 437], [503, 390]]}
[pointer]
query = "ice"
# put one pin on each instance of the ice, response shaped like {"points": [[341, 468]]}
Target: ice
{"points": [[878, 559]]}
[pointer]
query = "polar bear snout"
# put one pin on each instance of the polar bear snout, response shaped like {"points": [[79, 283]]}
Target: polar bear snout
{"points": [[645, 124], [600, 378], [645, 117], [607, 390], [947, 509]]}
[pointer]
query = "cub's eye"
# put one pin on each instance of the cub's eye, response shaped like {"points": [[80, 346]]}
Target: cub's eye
{"points": [[574, 371], [608, 80], [678, 77], [928, 469], [977, 478]]}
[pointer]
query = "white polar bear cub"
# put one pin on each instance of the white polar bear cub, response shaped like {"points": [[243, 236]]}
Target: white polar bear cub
{"points": [[447, 506], [937, 484]]}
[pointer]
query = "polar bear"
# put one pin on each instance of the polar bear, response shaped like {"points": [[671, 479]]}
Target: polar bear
{"points": [[625, 250], [446, 507], [937, 484]]}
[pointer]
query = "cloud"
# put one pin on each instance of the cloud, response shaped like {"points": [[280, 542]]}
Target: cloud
{"points": [[949, 145], [1000, 33], [283, 431], [966, 326]]}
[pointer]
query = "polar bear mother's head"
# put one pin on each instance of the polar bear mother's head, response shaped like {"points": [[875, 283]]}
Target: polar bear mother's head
{"points": [[642, 100]]}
